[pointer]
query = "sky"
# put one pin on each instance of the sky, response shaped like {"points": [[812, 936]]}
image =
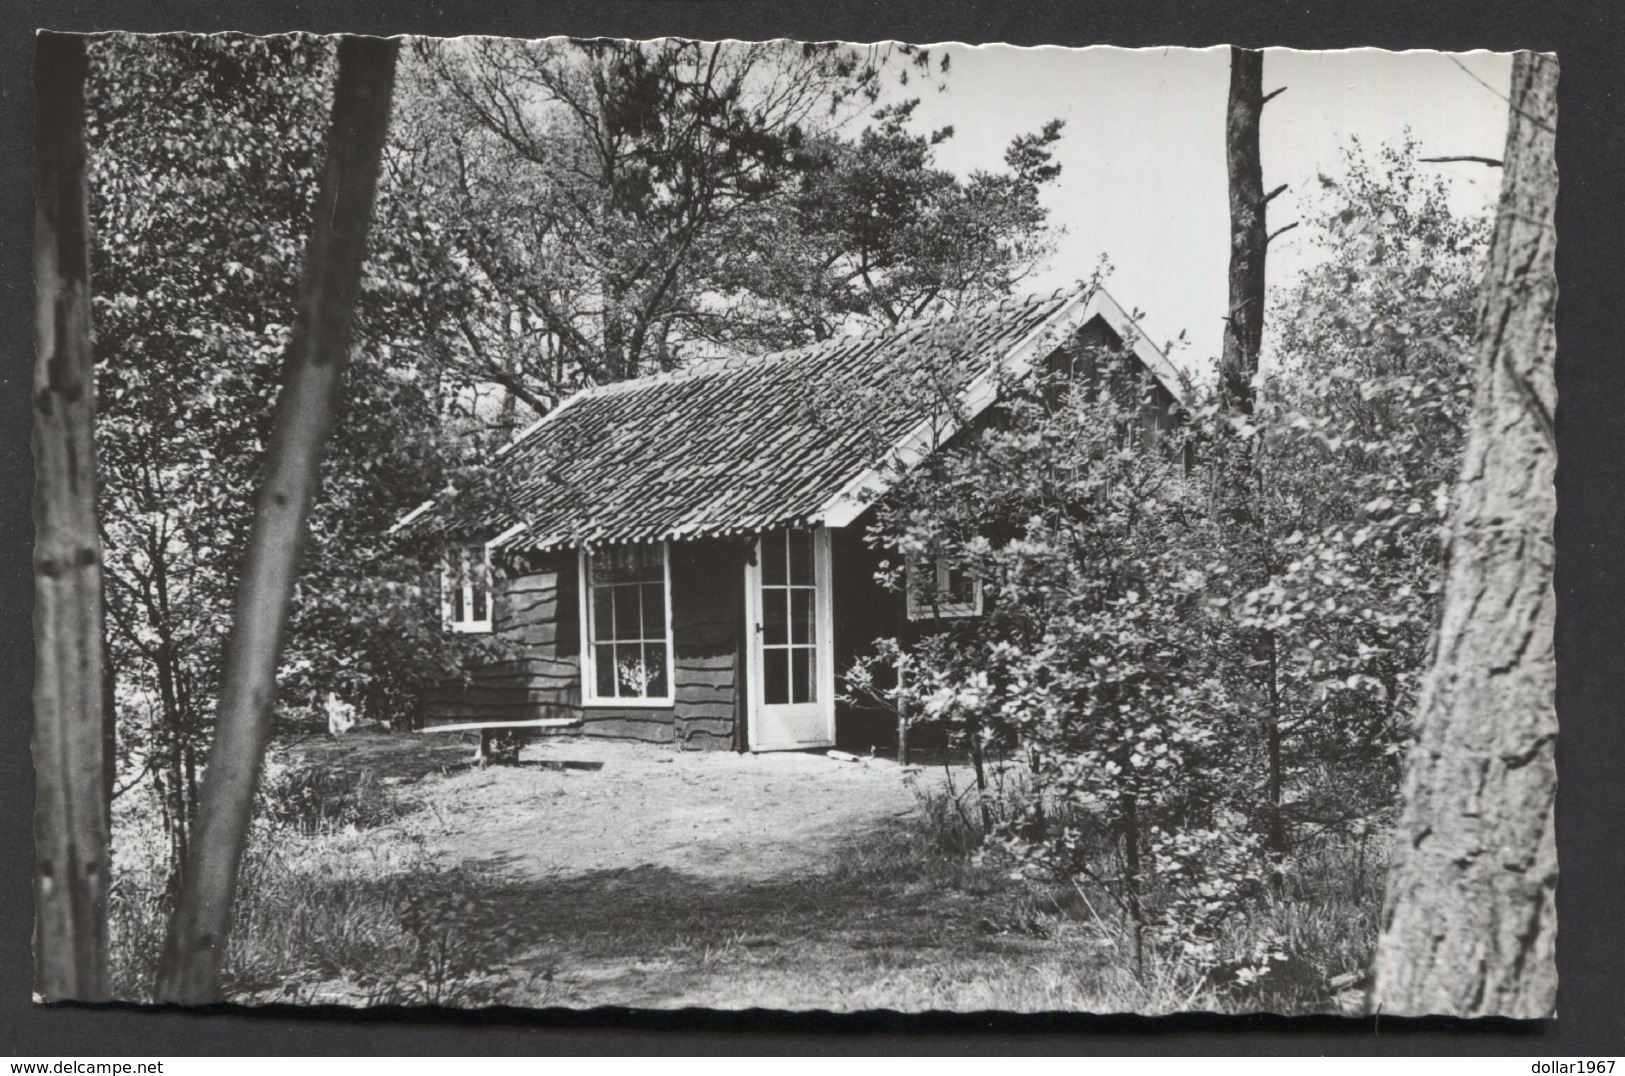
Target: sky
{"points": [[1143, 167]]}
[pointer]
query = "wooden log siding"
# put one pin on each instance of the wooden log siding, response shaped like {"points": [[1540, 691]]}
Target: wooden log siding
{"points": [[863, 612], [538, 612], [535, 612], [708, 580]]}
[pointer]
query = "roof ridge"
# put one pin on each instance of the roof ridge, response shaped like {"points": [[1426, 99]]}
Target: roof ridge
{"points": [[708, 367]]}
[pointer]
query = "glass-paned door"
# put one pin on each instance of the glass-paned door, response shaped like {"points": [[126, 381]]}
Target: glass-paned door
{"points": [[788, 596]]}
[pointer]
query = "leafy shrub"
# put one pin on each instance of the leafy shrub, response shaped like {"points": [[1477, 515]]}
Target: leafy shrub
{"points": [[1209, 877], [1204, 671]]}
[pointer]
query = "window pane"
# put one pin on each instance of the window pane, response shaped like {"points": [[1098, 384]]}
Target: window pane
{"points": [[801, 567], [626, 560], [775, 676], [627, 617], [774, 617], [456, 584], [628, 594], [654, 665], [654, 611], [801, 674], [961, 587], [603, 618], [773, 558], [480, 609], [604, 670], [632, 672], [801, 623]]}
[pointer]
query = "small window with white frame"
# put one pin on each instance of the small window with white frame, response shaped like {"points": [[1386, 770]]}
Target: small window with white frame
{"points": [[466, 599], [939, 589], [626, 626]]}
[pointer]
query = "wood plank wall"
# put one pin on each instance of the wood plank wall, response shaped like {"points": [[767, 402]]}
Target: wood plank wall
{"points": [[538, 612], [533, 609]]}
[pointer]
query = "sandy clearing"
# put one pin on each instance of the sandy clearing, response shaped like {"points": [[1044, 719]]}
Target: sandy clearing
{"points": [[670, 880], [712, 815]]}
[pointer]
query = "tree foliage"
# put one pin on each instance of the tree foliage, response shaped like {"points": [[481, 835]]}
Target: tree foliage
{"points": [[1362, 423], [1153, 633], [203, 156], [607, 208], [550, 214], [887, 236], [200, 197]]}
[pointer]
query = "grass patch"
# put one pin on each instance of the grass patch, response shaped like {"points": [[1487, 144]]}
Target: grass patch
{"points": [[333, 905], [347, 897]]}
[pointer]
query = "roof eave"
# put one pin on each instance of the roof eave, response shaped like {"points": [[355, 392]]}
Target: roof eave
{"points": [[861, 492], [931, 433], [411, 517], [1150, 355]]}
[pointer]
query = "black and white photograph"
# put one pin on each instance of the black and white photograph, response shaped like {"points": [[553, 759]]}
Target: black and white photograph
{"points": [[810, 526]]}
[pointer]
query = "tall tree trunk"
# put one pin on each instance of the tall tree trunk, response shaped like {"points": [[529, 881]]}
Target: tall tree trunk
{"points": [[1275, 767], [1238, 367], [617, 365], [171, 736], [109, 716], [70, 746], [196, 946], [1470, 923], [1244, 330], [1130, 806]]}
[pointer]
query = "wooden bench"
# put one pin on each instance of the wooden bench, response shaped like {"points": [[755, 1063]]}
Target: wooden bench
{"points": [[482, 753]]}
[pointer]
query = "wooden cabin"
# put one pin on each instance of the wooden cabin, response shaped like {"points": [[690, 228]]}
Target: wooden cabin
{"points": [[682, 559]]}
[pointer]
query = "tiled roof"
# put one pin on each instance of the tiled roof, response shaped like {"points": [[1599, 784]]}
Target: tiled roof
{"points": [[742, 445]]}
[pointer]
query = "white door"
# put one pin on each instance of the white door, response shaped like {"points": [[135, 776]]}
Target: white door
{"points": [[792, 669]]}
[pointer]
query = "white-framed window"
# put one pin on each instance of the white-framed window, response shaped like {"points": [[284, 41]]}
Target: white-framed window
{"points": [[626, 626], [938, 589], [465, 588]]}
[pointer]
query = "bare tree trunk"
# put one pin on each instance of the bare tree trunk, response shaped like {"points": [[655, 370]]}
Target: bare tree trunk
{"points": [[70, 745], [109, 717], [1275, 768], [902, 705], [171, 738], [618, 365], [1129, 804], [1244, 330], [1470, 925], [1238, 366], [196, 946]]}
